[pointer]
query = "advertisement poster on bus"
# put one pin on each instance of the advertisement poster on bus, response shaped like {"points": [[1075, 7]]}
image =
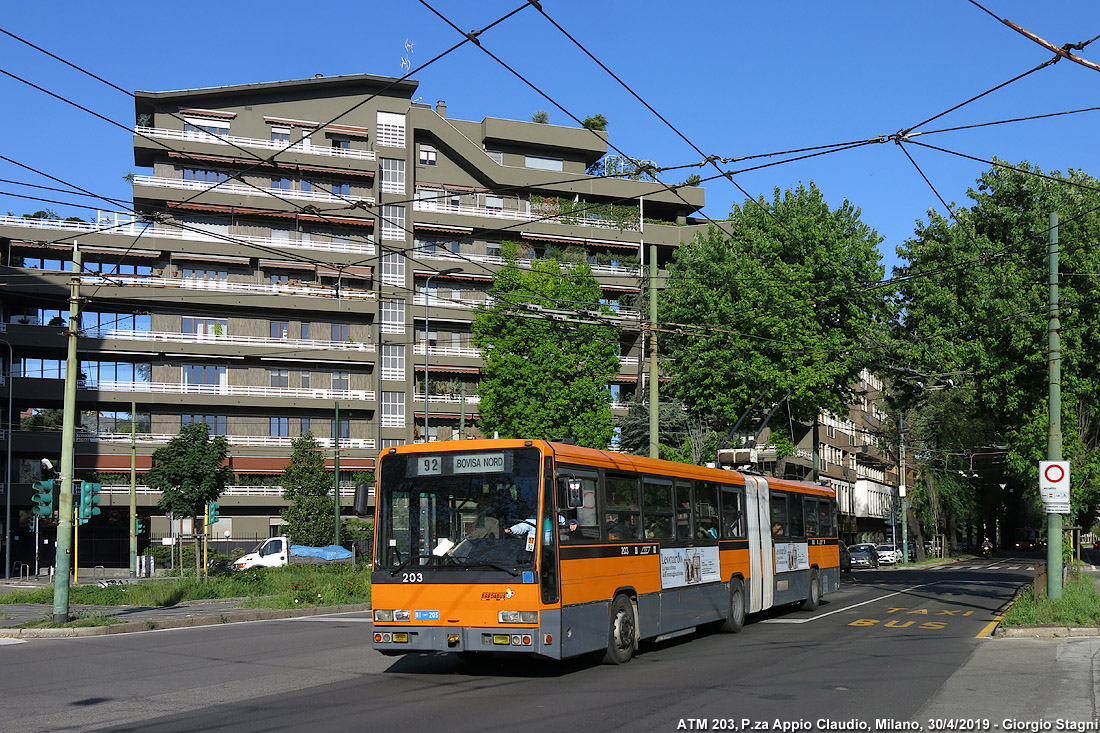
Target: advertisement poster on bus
{"points": [[791, 556], [688, 566]]}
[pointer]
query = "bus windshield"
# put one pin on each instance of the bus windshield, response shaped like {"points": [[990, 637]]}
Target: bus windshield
{"points": [[458, 509]]}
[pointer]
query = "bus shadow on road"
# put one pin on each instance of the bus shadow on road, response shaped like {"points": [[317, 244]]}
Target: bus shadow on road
{"points": [[492, 665]]}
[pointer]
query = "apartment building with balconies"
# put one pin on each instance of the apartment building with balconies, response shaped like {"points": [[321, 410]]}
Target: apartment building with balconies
{"points": [[279, 268]]}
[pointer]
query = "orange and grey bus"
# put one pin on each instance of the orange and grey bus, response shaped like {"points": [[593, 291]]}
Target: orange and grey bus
{"points": [[556, 550]]}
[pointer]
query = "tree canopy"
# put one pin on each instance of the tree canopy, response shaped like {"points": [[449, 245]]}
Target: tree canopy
{"points": [[308, 486], [544, 377], [787, 305], [190, 471], [973, 303]]}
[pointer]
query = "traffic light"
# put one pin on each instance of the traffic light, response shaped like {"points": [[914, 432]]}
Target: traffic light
{"points": [[42, 498], [89, 501], [211, 513], [139, 526]]}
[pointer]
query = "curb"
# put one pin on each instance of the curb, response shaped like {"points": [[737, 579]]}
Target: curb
{"points": [[1044, 632], [228, 617]]}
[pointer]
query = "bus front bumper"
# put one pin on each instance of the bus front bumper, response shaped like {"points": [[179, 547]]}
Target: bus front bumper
{"points": [[419, 639]]}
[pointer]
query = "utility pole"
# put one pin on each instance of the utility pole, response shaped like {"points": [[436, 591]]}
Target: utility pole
{"points": [[901, 490], [654, 400], [1054, 432], [336, 457], [68, 443], [133, 489]]}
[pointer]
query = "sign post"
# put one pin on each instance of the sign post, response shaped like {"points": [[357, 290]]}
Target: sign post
{"points": [[1054, 492]]}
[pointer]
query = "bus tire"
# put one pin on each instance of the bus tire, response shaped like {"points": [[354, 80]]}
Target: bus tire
{"points": [[812, 601], [622, 632], [735, 621]]}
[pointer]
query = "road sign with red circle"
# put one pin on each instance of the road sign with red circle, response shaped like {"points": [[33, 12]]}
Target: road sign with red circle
{"points": [[1054, 486]]}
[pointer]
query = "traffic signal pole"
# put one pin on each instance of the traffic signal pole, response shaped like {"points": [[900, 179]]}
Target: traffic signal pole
{"points": [[68, 441]]}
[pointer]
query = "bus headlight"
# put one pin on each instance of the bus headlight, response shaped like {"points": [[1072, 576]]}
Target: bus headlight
{"points": [[401, 615], [380, 615], [518, 617]]}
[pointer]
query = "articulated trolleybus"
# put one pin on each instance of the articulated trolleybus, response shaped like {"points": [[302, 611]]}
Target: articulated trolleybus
{"points": [[555, 550]]}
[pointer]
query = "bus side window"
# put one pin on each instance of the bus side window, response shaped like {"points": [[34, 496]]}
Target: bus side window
{"points": [[706, 510], [622, 507], [795, 527], [811, 508], [778, 514], [732, 512], [657, 512]]}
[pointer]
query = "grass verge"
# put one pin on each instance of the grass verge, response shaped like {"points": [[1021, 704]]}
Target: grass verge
{"points": [[293, 586], [76, 623], [1078, 606]]}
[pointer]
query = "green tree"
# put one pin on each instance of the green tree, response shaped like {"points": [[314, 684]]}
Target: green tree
{"points": [[595, 122], [541, 117], [973, 298], [685, 437], [784, 308], [190, 471], [308, 486], [543, 377]]}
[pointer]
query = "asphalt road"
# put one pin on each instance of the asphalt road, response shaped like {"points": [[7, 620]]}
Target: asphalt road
{"points": [[893, 644]]}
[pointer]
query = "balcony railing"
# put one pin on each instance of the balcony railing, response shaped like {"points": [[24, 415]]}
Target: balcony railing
{"points": [[228, 286], [127, 227], [465, 352], [246, 441], [209, 338], [449, 399], [251, 142], [238, 189], [230, 491], [622, 270], [492, 212], [227, 389]]}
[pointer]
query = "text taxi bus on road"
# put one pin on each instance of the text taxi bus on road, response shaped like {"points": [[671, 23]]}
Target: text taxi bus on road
{"points": [[557, 550]]}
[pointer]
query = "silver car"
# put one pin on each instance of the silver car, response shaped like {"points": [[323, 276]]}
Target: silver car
{"points": [[888, 554]]}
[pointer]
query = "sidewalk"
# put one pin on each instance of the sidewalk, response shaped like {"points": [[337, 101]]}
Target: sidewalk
{"points": [[141, 618]]}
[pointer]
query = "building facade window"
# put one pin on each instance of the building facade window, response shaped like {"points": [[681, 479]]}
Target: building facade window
{"points": [[204, 327], [428, 155], [393, 409], [390, 130], [393, 362], [280, 135], [280, 184], [345, 429], [496, 155], [217, 423], [392, 172], [543, 164], [305, 379], [280, 329], [210, 127], [392, 316], [393, 269], [340, 332], [279, 427], [393, 223], [204, 176], [203, 375], [280, 378], [200, 273], [341, 381]]}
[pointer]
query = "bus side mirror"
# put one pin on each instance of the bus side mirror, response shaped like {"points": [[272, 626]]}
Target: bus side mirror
{"points": [[362, 499], [574, 498]]}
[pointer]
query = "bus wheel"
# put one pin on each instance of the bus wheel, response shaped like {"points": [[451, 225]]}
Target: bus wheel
{"points": [[622, 632], [736, 619], [814, 598]]}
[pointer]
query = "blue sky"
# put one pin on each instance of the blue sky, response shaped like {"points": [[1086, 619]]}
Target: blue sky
{"points": [[735, 78]]}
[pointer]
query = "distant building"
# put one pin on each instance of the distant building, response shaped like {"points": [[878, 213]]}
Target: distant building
{"points": [[277, 264]]}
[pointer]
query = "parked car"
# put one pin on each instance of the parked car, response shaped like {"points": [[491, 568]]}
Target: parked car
{"points": [[275, 552], [888, 554], [845, 559], [864, 555]]}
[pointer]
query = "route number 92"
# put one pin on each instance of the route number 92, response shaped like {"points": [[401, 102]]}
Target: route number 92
{"points": [[412, 577]]}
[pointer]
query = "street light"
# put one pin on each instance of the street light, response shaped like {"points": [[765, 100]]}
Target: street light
{"points": [[427, 283]]}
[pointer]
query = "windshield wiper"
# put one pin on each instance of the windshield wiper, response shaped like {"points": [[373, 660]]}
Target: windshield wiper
{"points": [[490, 564], [400, 567]]}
